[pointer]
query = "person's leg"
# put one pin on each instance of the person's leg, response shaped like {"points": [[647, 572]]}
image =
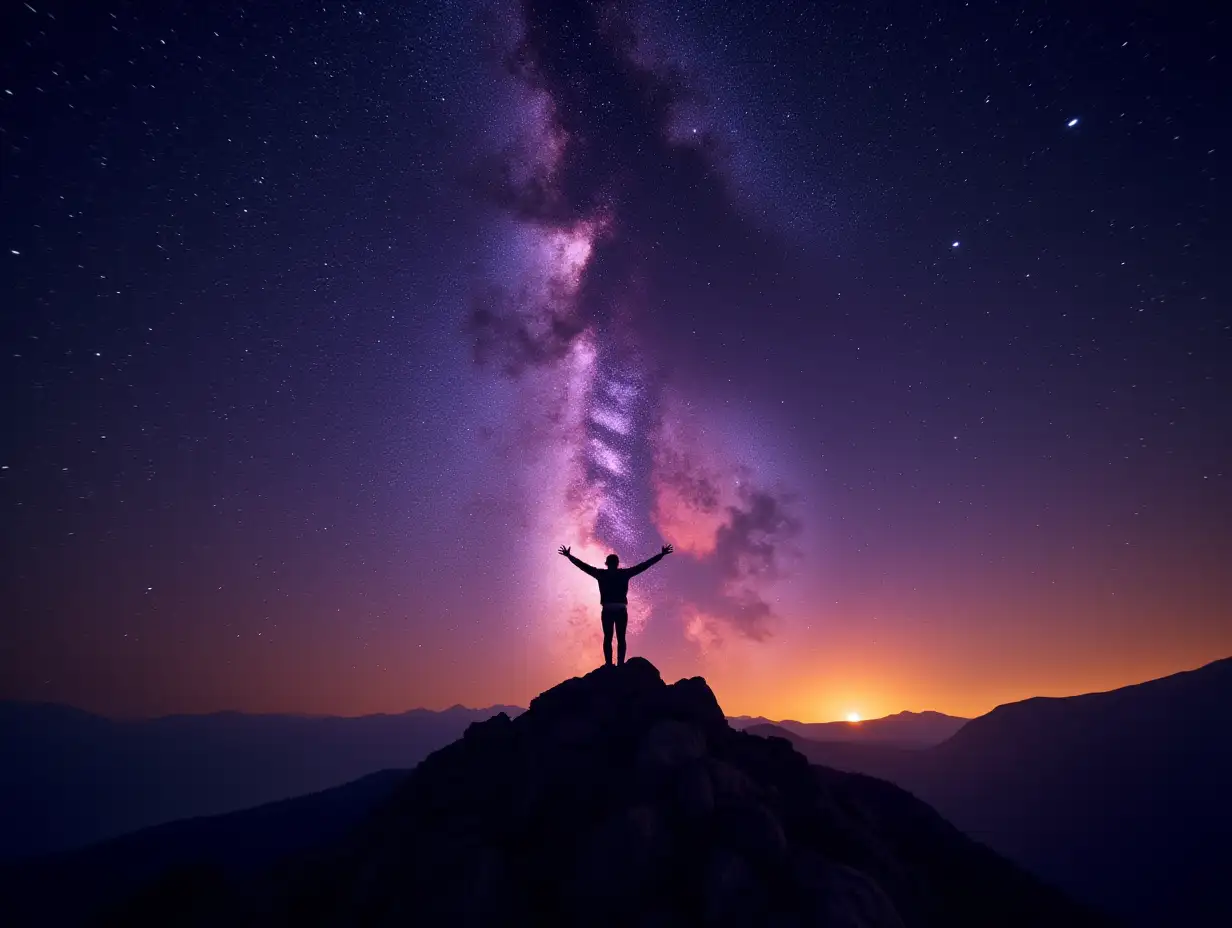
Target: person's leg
{"points": [[607, 619], [622, 620]]}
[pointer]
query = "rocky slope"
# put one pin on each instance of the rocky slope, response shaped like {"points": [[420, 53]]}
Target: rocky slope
{"points": [[619, 800]]}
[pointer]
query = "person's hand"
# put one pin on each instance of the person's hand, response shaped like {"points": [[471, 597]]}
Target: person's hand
{"points": [[564, 550], [667, 549]]}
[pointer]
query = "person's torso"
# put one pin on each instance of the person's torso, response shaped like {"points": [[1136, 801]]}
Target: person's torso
{"points": [[613, 586]]}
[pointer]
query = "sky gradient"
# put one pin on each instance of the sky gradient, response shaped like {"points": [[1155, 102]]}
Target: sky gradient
{"points": [[910, 328]]}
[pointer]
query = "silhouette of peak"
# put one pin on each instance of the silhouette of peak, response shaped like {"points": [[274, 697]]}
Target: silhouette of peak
{"points": [[904, 729], [629, 695], [1202, 693], [617, 799], [926, 714]]}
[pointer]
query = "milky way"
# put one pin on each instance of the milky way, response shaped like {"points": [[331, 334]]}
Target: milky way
{"points": [[618, 449], [587, 299]]}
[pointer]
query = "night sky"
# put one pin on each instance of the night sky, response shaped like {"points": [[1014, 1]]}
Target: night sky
{"points": [[908, 324]]}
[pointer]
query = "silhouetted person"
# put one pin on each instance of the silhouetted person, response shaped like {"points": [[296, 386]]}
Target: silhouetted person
{"points": [[614, 596]]}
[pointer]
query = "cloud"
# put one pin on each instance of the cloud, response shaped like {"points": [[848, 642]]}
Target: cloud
{"points": [[513, 336], [735, 534], [686, 501], [728, 583], [701, 630], [731, 553], [746, 547]]}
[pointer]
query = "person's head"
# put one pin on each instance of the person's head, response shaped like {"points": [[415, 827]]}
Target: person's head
{"points": [[612, 562]]}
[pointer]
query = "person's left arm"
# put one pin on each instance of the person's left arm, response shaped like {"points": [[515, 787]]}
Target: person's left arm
{"points": [[650, 562]]}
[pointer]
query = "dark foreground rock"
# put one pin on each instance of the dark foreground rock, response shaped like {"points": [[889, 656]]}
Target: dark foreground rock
{"points": [[618, 800]]}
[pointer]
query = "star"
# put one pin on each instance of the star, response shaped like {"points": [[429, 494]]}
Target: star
{"points": [[1073, 122], [955, 244]]}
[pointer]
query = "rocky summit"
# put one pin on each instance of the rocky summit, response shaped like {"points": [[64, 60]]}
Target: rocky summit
{"points": [[619, 800]]}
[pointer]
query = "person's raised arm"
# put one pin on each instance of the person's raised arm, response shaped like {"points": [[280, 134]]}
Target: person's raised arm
{"points": [[579, 564], [650, 562]]}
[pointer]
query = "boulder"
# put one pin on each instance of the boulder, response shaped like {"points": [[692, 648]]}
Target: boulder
{"points": [[733, 895], [618, 863], [694, 792], [670, 744], [754, 831], [693, 701], [731, 784]]}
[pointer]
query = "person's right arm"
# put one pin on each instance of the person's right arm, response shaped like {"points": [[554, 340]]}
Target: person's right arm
{"points": [[579, 564]]}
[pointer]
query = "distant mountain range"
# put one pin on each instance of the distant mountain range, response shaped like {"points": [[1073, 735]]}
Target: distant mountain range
{"points": [[69, 778], [1123, 798], [72, 778], [222, 848], [905, 729]]}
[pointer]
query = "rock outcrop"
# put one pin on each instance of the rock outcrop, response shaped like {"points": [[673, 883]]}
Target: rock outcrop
{"points": [[619, 800]]}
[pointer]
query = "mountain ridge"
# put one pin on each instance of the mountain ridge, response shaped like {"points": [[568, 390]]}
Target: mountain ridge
{"points": [[28, 705], [1089, 790], [232, 845], [906, 728]]}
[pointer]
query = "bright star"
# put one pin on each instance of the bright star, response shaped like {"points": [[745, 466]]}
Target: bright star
{"points": [[954, 244], [1073, 122]]}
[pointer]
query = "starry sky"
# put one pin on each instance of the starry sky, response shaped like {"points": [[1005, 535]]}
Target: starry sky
{"points": [[909, 325]]}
